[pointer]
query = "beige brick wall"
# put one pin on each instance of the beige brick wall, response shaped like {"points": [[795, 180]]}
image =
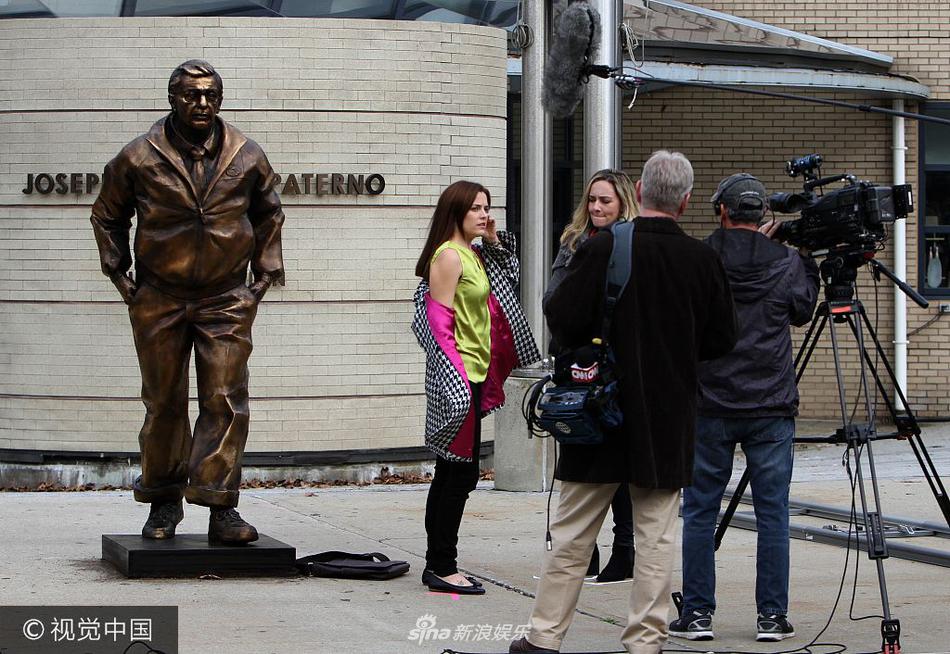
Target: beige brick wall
{"points": [[724, 132], [917, 35], [335, 365]]}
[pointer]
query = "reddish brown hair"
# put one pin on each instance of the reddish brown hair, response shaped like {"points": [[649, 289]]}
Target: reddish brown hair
{"points": [[449, 213]]}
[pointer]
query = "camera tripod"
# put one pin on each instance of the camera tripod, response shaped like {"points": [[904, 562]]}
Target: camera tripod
{"points": [[839, 272]]}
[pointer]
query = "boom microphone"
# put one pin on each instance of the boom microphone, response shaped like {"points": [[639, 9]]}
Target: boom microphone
{"points": [[575, 44]]}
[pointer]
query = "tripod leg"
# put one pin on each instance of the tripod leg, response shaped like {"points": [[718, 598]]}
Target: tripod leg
{"points": [[731, 508], [859, 439], [820, 319], [909, 427], [930, 473], [877, 545], [891, 637], [891, 409], [890, 371]]}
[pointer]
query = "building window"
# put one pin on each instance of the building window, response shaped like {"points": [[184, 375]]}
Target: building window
{"points": [[934, 208], [58, 8], [498, 13]]}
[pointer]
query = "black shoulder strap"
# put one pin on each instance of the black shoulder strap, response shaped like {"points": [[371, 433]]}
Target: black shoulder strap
{"points": [[618, 270]]}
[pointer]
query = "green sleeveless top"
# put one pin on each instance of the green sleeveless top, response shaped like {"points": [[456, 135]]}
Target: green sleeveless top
{"points": [[472, 319]]}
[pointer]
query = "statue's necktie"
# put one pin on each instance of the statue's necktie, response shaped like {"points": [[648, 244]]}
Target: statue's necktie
{"points": [[198, 155]]}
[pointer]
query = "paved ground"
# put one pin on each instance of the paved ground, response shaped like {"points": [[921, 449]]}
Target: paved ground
{"points": [[50, 544]]}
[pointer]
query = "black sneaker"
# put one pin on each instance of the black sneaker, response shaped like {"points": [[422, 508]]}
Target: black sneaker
{"points": [[695, 625], [773, 627]]}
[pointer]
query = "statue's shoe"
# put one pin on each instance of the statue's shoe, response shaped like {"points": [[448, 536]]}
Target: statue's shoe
{"points": [[162, 520], [227, 526]]}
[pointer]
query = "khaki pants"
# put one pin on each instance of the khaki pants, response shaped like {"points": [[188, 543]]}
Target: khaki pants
{"points": [[205, 469], [580, 514]]}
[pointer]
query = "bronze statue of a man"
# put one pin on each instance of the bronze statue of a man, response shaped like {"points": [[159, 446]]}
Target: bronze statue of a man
{"points": [[206, 207]]}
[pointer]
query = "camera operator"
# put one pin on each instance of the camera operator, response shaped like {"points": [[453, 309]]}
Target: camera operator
{"points": [[747, 397], [675, 310]]}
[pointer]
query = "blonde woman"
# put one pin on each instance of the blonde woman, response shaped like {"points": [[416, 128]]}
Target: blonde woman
{"points": [[610, 196]]}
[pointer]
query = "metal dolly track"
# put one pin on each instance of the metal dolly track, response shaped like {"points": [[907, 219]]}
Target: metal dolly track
{"points": [[895, 527]]}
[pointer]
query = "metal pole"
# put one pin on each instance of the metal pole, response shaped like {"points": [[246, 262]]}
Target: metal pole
{"points": [[602, 145], [900, 260], [536, 171]]}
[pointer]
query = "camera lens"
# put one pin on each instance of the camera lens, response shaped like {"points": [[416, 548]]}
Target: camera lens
{"points": [[787, 202]]}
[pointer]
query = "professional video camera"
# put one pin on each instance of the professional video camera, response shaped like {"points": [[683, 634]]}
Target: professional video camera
{"points": [[852, 217]]}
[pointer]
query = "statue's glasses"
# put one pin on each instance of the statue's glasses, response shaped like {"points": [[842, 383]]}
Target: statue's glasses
{"points": [[193, 96]]}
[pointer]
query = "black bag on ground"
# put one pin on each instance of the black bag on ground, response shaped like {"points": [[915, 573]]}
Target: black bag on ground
{"points": [[584, 398], [345, 565]]}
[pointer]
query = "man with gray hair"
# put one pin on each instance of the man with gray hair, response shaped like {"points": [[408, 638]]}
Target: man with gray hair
{"points": [[675, 311], [666, 184]]}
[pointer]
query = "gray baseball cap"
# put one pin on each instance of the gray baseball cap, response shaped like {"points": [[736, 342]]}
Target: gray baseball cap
{"points": [[741, 192]]}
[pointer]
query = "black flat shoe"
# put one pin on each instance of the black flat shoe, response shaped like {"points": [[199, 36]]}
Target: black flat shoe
{"points": [[438, 585]]}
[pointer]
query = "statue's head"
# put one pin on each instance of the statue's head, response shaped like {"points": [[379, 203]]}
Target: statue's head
{"points": [[195, 92]]}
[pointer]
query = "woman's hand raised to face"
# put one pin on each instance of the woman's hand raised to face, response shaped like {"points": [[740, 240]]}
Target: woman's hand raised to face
{"points": [[491, 232]]}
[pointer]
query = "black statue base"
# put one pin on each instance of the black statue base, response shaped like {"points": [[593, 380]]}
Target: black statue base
{"points": [[191, 555]]}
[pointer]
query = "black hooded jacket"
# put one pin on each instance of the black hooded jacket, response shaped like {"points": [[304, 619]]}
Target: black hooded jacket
{"points": [[773, 286]]}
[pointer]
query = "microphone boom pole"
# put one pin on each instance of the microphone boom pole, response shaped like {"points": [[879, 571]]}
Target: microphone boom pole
{"points": [[630, 82]]}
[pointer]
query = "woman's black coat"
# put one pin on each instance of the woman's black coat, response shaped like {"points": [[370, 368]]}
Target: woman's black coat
{"points": [[676, 310]]}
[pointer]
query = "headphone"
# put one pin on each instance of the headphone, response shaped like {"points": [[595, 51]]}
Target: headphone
{"points": [[724, 186]]}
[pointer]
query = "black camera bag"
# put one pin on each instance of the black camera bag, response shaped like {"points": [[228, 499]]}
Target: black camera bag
{"points": [[572, 410]]}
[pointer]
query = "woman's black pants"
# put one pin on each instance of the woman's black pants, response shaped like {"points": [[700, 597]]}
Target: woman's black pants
{"points": [[451, 485]]}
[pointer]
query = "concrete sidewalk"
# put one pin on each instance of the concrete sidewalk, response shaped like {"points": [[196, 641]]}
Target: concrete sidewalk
{"points": [[51, 548]]}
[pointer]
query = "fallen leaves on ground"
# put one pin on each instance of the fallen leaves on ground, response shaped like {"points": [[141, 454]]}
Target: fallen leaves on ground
{"points": [[385, 478]]}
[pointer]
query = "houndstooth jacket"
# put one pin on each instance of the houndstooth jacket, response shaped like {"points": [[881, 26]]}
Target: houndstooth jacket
{"points": [[450, 419]]}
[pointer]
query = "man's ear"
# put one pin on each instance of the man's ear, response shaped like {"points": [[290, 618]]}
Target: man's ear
{"points": [[723, 215], [685, 203], [637, 190], [171, 101]]}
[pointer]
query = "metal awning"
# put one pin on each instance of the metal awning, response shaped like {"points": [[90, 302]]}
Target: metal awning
{"points": [[878, 85], [684, 43], [672, 30]]}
